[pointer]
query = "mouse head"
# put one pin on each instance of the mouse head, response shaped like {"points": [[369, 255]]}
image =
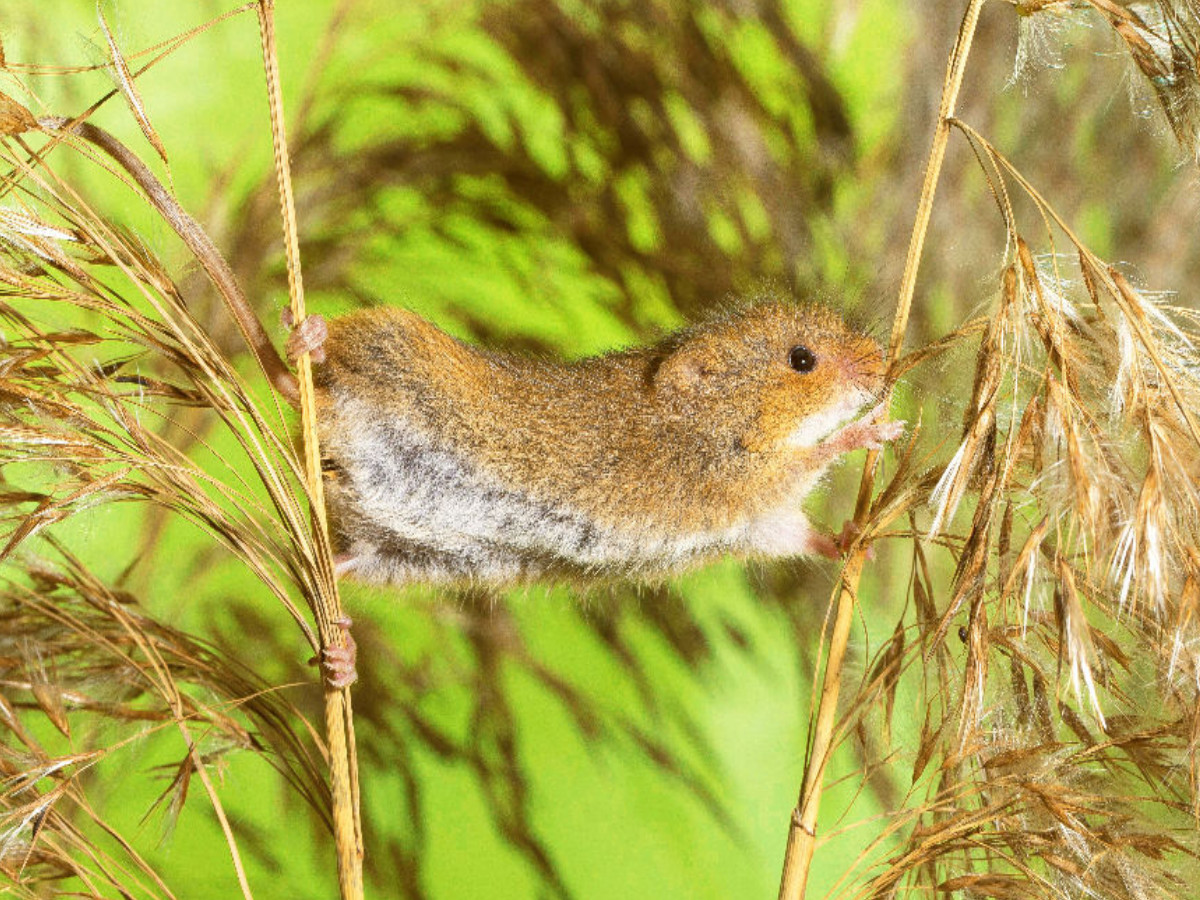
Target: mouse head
{"points": [[771, 375]]}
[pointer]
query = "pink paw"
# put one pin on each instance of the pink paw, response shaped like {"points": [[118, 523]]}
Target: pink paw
{"points": [[825, 545], [867, 432], [835, 546], [338, 663], [307, 337], [876, 434]]}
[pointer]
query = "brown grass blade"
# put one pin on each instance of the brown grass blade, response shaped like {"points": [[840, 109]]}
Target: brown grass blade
{"points": [[128, 88]]}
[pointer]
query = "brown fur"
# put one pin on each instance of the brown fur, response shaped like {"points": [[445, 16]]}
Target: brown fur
{"points": [[686, 436]]}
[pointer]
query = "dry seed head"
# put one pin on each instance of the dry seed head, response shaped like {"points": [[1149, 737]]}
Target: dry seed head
{"points": [[15, 118], [21, 222], [1139, 557], [1084, 469], [1076, 638], [1062, 362], [1128, 385], [1042, 31], [1162, 39]]}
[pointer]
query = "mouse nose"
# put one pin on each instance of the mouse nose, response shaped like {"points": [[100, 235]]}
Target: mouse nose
{"points": [[863, 364]]}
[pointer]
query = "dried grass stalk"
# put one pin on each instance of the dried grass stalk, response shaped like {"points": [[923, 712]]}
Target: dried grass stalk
{"points": [[339, 713], [1058, 751], [91, 433], [802, 833]]}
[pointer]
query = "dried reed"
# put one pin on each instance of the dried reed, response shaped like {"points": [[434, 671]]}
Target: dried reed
{"points": [[114, 455], [1078, 571]]}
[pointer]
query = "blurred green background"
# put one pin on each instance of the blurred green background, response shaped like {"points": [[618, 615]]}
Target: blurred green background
{"points": [[564, 178]]}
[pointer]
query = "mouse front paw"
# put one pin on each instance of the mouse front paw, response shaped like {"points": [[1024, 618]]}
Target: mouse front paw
{"points": [[307, 337], [876, 434], [867, 433]]}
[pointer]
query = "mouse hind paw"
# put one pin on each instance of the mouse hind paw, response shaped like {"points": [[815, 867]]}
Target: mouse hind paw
{"points": [[307, 337], [836, 546], [338, 665]]}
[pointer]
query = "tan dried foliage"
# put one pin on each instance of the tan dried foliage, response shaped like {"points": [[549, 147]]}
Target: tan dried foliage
{"points": [[15, 118], [128, 88], [1057, 754], [95, 410]]}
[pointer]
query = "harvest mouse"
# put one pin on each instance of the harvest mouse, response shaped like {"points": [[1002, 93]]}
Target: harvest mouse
{"points": [[452, 463]]}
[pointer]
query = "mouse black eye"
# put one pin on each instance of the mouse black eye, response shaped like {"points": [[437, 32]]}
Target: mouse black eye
{"points": [[802, 359]]}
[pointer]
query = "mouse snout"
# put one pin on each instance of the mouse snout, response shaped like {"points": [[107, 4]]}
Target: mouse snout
{"points": [[863, 366]]}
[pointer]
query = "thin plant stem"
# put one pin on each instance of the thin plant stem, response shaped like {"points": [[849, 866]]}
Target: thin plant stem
{"points": [[339, 716], [802, 833]]}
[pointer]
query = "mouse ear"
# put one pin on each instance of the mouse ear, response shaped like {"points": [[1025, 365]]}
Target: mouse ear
{"points": [[685, 370]]}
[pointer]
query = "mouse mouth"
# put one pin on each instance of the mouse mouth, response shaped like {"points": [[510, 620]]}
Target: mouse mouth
{"points": [[813, 429]]}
